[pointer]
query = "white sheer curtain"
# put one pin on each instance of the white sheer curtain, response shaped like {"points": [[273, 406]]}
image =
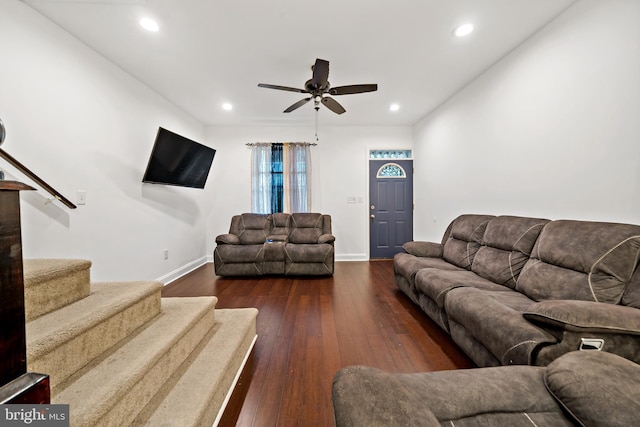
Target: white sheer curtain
{"points": [[298, 178], [261, 178], [296, 168]]}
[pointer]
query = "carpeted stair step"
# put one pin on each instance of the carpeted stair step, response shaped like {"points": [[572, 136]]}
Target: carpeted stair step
{"points": [[114, 388], [50, 284], [198, 391], [63, 341]]}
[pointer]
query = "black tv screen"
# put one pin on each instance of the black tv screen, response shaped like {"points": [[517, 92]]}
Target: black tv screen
{"points": [[176, 160]]}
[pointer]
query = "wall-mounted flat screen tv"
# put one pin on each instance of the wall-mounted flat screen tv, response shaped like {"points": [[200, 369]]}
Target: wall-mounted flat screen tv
{"points": [[176, 160]]}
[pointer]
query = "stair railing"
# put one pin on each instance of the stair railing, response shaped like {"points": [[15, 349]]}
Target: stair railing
{"points": [[22, 168]]}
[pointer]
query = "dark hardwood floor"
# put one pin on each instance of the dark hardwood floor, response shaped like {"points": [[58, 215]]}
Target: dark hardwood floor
{"points": [[308, 328]]}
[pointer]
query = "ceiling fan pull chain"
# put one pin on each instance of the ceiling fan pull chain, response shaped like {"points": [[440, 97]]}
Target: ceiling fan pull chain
{"points": [[317, 125]]}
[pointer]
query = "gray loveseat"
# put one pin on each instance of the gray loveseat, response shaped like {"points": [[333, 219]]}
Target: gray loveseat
{"points": [[280, 243], [578, 389], [516, 290]]}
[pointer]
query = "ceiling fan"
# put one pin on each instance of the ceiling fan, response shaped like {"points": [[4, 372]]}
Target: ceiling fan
{"points": [[319, 89]]}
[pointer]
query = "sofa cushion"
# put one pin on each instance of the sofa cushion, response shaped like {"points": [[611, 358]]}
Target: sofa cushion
{"points": [[495, 320], [241, 253], [506, 246], [436, 283], [280, 223], [254, 228], [305, 227], [465, 239], [597, 388], [300, 252], [581, 260], [631, 296], [408, 265]]}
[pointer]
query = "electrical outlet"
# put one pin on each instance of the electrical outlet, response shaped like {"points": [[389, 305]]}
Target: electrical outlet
{"points": [[166, 254], [81, 197]]}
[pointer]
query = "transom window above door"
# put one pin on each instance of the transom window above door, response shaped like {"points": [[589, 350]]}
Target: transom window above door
{"points": [[390, 154]]}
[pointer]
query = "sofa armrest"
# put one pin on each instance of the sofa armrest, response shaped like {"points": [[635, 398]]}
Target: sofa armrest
{"points": [[364, 396], [585, 316], [424, 249], [326, 238], [228, 239]]}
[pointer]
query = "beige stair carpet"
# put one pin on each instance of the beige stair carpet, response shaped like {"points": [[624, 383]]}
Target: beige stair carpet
{"points": [[53, 283], [113, 389], [197, 393], [63, 341]]}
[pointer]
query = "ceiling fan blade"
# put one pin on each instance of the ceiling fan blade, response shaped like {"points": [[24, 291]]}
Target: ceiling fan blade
{"points": [[351, 89], [297, 105], [320, 77], [290, 89], [333, 105]]}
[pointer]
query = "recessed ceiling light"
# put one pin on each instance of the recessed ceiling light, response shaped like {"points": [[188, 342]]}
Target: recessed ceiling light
{"points": [[394, 107], [149, 24], [463, 30], [227, 107]]}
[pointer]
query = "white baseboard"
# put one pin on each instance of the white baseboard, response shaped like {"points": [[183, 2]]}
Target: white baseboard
{"points": [[181, 271], [352, 257]]}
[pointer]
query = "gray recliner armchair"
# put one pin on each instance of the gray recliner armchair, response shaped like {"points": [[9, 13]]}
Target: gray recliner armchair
{"points": [[279, 244], [581, 388]]}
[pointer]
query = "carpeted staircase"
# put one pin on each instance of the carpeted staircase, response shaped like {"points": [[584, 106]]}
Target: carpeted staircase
{"points": [[120, 355]]}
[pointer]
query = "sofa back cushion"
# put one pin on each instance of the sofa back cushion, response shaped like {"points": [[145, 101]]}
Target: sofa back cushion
{"points": [[305, 227], [252, 229], [582, 260], [280, 224], [506, 247], [465, 239]]}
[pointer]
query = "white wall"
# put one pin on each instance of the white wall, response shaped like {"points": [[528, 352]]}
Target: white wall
{"points": [[339, 170], [79, 122], [552, 130]]}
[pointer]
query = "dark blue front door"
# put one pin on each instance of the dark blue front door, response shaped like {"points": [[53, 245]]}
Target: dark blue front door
{"points": [[391, 206]]}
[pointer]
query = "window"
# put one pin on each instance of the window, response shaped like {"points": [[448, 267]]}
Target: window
{"points": [[391, 170], [389, 154], [281, 177]]}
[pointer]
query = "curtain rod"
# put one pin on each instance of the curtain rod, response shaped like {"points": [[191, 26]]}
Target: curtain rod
{"points": [[251, 144]]}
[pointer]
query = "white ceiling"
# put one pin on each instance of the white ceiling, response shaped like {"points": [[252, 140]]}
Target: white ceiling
{"points": [[208, 52]]}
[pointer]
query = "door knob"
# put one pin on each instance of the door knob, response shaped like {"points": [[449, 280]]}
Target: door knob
{"points": [[372, 216]]}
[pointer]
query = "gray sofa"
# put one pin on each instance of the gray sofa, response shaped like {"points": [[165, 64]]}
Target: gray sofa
{"points": [[280, 243], [523, 291], [596, 389]]}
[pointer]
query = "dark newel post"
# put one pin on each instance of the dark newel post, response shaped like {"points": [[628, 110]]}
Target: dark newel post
{"points": [[16, 385]]}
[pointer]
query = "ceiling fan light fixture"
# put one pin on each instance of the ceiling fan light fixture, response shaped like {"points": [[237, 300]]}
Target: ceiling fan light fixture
{"points": [[149, 25], [463, 30]]}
